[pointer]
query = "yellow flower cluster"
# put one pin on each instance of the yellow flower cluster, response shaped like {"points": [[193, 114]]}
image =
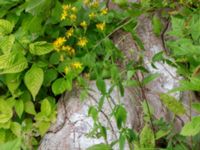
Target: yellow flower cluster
{"points": [[70, 50], [69, 11], [104, 11], [73, 66], [82, 41], [101, 26], [58, 43], [83, 24], [69, 32]]}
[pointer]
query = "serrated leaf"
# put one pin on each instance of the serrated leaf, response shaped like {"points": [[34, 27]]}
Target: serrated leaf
{"points": [[147, 138], [29, 108], [13, 62], [61, 85], [100, 147], [40, 48], [19, 107], [196, 106], [172, 104], [45, 107], [49, 76], [6, 43], [191, 128], [6, 27], [33, 80], [12, 81]]}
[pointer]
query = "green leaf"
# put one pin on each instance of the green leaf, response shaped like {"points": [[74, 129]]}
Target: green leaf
{"points": [[40, 48], [196, 106], [6, 27], [29, 108], [120, 115], [43, 127], [191, 128], [150, 78], [157, 25], [33, 80], [12, 81], [6, 43], [11, 145], [172, 104], [13, 62], [120, 2], [46, 107], [100, 147], [122, 140], [60, 86], [147, 137], [19, 107], [5, 111], [178, 25], [2, 136], [16, 128], [101, 85], [49, 76], [93, 112]]}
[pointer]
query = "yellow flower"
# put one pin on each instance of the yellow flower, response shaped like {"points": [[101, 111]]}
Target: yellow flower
{"points": [[82, 42], [76, 65], [73, 17], [69, 33], [94, 4], [66, 7], [104, 11], [92, 15], [74, 9], [67, 70], [59, 42], [86, 2], [101, 26], [70, 50], [63, 15], [83, 24]]}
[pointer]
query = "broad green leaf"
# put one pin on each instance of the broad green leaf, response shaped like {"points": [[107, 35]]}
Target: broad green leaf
{"points": [[196, 106], [100, 147], [157, 25], [33, 80], [5, 111], [172, 104], [61, 85], [16, 128], [178, 25], [19, 107], [6, 43], [12, 81], [120, 115], [6, 27], [11, 145], [40, 48], [29, 108], [147, 137], [13, 62], [43, 127], [191, 128], [49, 76], [101, 85], [46, 107]]}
